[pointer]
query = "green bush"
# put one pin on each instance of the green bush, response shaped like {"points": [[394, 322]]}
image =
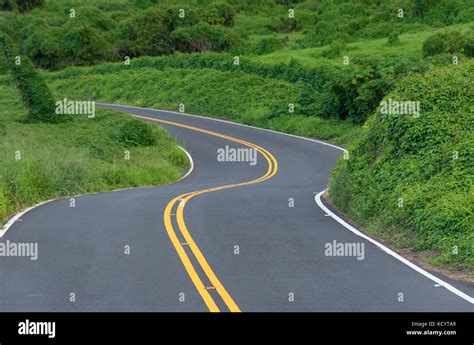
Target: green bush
{"points": [[465, 16], [204, 37], [35, 92], [354, 92], [43, 49], [219, 13], [324, 32], [191, 16], [441, 12], [84, 45], [137, 133], [376, 30], [33, 88], [9, 23], [8, 5], [426, 161], [147, 33], [265, 46], [336, 48], [451, 42], [393, 39], [28, 5]]}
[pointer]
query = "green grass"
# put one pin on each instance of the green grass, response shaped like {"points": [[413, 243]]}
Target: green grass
{"points": [[410, 44], [274, 71], [237, 96], [79, 156]]}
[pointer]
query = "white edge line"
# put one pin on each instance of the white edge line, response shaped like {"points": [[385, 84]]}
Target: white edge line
{"points": [[229, 122], [317, 198], [387, 250], [191, 162], [17, 216]]}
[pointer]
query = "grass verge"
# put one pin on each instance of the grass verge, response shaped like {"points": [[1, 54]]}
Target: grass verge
{"points": [[40, 161], [238, 96]]}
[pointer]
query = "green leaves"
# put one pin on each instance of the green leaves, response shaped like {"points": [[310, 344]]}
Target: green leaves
{"points": [[426, 161], [451, 42], [33, 88], [137, 133]]}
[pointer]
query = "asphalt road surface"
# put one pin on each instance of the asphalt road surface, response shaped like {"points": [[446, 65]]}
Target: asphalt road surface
{"points": [[231, 236]]}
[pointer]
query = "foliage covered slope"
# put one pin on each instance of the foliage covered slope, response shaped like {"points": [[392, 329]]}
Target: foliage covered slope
{"points": [[238, 96], [40, 161], [415, 174]]}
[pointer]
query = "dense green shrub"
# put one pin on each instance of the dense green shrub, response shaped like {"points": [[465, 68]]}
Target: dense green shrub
{"points": [[147, 33], [9, 23], [137, 133], [191, 16], [92, 16], [465, 16], [424, 161], [376, 30], [35, 92], [324, 32], [8, 5], [450, 42], [43, 49], [440, 12], [28, 5], [393, 39], [355, 91], [219, 13], [84, 45], [265, 46], [204, 37], [33, 88], [336, 48]]}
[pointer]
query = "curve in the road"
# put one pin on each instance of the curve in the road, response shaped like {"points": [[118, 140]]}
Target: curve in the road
{"points": [[282, 246], [183, 199]]}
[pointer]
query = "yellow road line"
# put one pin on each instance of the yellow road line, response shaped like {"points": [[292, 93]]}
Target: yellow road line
{"points": [[184, 198]]}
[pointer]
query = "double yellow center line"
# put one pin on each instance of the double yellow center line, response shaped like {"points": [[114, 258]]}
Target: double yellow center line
{"points": [[180, 202]]}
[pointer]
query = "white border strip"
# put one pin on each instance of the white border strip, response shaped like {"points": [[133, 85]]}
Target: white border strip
{"points": [[17, 216], [191, 162], [317, 198], [387, 250], [230, 122]]}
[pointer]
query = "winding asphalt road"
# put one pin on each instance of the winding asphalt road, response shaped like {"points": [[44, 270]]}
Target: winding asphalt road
{"points": [[239, 246]]}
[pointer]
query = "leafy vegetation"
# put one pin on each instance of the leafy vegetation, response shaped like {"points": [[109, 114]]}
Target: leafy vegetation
{"points": [[291, 54], [452, 42], [249, 99], [414, 174], [33, 89], [40, 161]]}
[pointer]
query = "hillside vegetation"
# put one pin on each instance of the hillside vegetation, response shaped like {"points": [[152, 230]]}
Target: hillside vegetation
{"points": [[237, 95], [411, 177], [316, 68], [40, 161]]}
